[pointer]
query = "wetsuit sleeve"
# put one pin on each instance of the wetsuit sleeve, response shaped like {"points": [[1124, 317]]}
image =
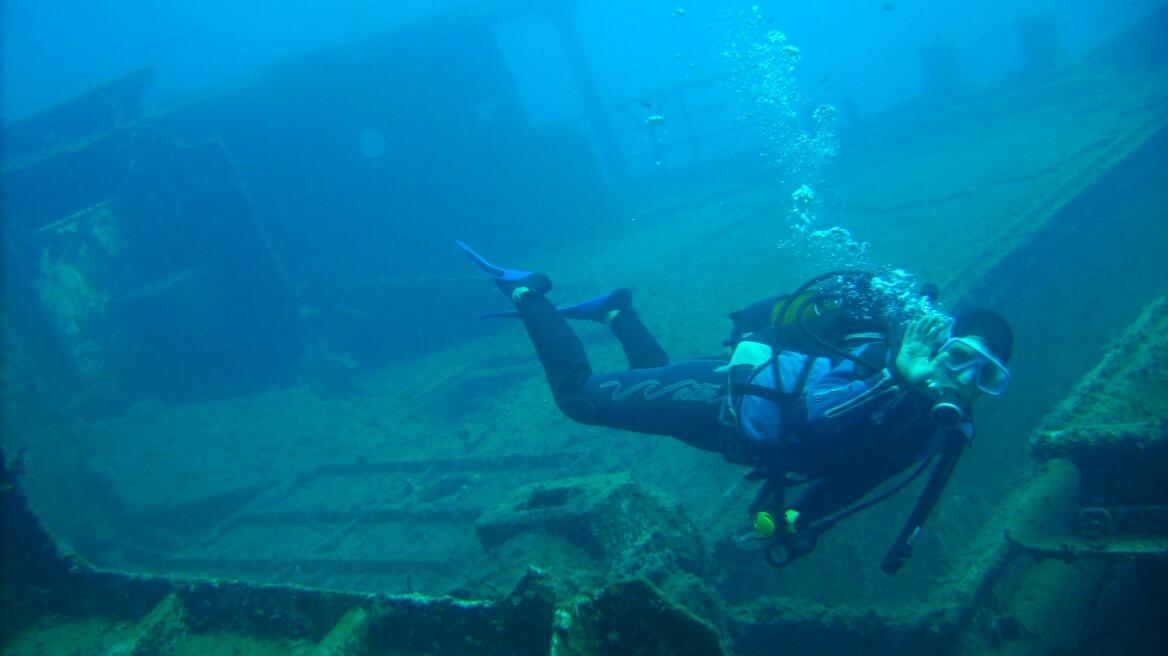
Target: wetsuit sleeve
{"points": [[840, 398]]}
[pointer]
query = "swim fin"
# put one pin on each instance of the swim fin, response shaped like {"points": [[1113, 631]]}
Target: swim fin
{"points": [[593, 309], [508, 280], [597, 309]]}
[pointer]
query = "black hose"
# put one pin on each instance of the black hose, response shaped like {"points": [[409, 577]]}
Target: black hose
{"points": [[804, 541], [901, 550]]}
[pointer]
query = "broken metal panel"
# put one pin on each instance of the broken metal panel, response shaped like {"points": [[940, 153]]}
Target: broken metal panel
{"points": [[1114, 421], [1119, 407], [148, 263]]}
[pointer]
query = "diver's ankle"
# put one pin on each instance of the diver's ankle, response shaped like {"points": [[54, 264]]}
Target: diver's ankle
{"points": [[517, 294]]}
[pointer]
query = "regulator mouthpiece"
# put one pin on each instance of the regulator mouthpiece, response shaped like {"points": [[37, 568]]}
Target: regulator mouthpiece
{"points": [[947, 410]]}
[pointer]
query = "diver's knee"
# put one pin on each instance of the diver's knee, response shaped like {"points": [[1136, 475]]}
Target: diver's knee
{"points": [[577, 408]]}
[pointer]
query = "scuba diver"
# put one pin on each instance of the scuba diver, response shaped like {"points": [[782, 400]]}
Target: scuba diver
{"points": [[818, 392]]}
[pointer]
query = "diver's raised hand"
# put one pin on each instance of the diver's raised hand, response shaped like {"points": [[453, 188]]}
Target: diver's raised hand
{"points": [[915, 359]]}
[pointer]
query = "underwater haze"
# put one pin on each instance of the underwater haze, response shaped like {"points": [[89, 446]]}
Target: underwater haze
{"points": [[258, 399], [54, 52]]}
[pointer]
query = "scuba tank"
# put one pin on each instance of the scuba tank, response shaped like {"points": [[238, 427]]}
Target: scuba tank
{"points": [[815, 319], [804, 329]]}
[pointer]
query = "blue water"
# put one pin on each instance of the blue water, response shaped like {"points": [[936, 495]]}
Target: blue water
{"points": [[867, 50], [234, 268]]}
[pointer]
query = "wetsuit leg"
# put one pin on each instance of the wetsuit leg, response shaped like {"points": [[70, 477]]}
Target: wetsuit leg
{"points": [[680, 400], [640, 347], [558, 347]]}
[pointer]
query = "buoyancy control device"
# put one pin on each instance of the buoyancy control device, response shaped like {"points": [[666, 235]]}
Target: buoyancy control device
{"points": [[827, 317]]}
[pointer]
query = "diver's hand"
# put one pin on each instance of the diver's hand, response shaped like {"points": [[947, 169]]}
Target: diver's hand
{"points": [[914, 361]]}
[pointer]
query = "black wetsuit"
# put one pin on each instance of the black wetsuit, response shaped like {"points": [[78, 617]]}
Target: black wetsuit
{"points": [[681, 400], [849, 429]]}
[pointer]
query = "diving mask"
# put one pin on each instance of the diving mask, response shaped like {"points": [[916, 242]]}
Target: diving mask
{"points": [[963, 353]]}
